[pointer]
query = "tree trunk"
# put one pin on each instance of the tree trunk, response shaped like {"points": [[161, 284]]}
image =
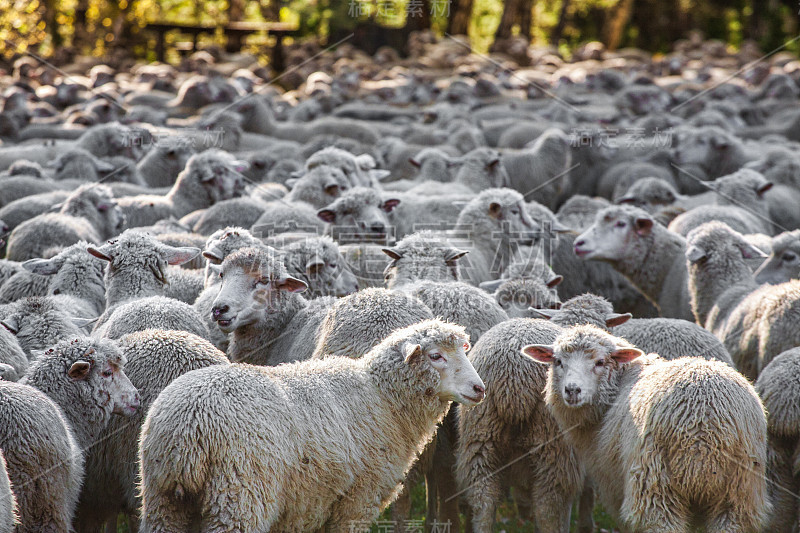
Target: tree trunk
{"points": [[524, 15], [619, 18], [418, 14], [460, 15], [562, 23], [510, 11]]}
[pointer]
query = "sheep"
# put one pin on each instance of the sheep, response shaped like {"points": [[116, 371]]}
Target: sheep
{"points": [[44, 462], [359, 214], [154, 359], [13, 360], [23, 284], [516, 295], [541, 168], [495, 224], [620, 177], [782, 264], [481, 169], [8, 503], [209, 177], [317, 262], [318, 187], [414, 370], [670, 338], [18, 211], [184, 285], [89, 214], [281, 216], [507, 426], [620, 408], [740, 204], [777, 387], [257, 304], [578, 212], [86, 379], [754, 323], [39, 322], [79, 164], [424, 255], [162, 164], [705, 153], [645, 252], [358, 170], [70, 273]]}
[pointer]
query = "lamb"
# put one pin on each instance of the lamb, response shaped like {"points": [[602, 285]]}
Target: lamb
{"points": [[754, 323], [740, 204], [645, 252], [154, 359], [507, 426], [670, 338], [619, 409], [541, 168], [79, 164], [411, 361], [258, 303], [38, 444], [89, 214], [86, 379], [782, 264], [8, 503], [162, 164], [359, 214], [209, 177], [777, 387]]}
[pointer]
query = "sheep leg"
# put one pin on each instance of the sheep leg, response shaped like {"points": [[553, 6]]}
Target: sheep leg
{"points": [[111, 526], [483, 485], [442, 473], [401, 508], [586, 509]]}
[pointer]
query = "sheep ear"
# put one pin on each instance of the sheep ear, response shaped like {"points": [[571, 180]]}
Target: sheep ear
{"points": [[8, 373], [544, 314], [104, 166], [103, 252], [695, 254], [558, 227], [411, 351], [213, 255], [332, 189], [615, 319], [11, 324], [380, 174], [328, 215], [390, 204], [414, 162], [764, 188], [751, 252], [81, 322], [365, 162], [626, 200], [643, 225], [493, 163], [240, 165], [454, 255], [290, 183], [541, 353], [180, 255], [391, 252], [555, 282], [495, 210], [290, 284], [43, 267], [491, 286], [720, 142], [626, 355], [79, 369]]}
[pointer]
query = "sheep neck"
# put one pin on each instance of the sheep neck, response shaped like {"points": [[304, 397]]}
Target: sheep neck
{"points": [[255, 342], [188, 195], [123, 286], [651, 259], [709, 283]]}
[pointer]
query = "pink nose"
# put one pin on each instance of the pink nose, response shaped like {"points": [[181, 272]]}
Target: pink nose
{"points": [[480, 391]]}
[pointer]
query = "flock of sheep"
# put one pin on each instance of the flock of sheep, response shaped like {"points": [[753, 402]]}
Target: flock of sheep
{"points": [[280, 293]]}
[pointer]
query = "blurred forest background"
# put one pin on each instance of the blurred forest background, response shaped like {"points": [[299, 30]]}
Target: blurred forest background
{"points": [[98, 26]]}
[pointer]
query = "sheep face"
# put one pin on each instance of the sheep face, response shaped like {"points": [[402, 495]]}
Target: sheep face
{"points": [[614, 232], [702, 146], [219, 174], [512, 221], [319, 187], [715, 247], [254, 285], [516, 297], [583, 362], [446, 355], [783, 264], [359, 215]]}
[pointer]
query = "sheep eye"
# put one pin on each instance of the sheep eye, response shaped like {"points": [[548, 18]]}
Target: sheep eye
{"points": [[789, 257], [515, 211], [333, 265], [220, 275], [107, 373], [600, 363], [435, 356], [619, 224], [557, 362]]}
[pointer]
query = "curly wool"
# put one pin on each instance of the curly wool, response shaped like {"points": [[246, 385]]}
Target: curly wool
{"points": [[40, 322], [424, 255], [360, 426]]}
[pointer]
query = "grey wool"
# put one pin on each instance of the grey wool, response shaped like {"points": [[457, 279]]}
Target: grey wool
{"points": [[8, 503], [154, 358], [540, 170], [88, 214], [783, 263], [425, 255], [242, 212], [38, 444], [152, 312], [39, 322], [318, 262], [13, 360]]}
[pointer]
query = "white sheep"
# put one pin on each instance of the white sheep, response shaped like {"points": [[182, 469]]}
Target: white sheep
{"points": [[343, 453], [662, 440]]}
